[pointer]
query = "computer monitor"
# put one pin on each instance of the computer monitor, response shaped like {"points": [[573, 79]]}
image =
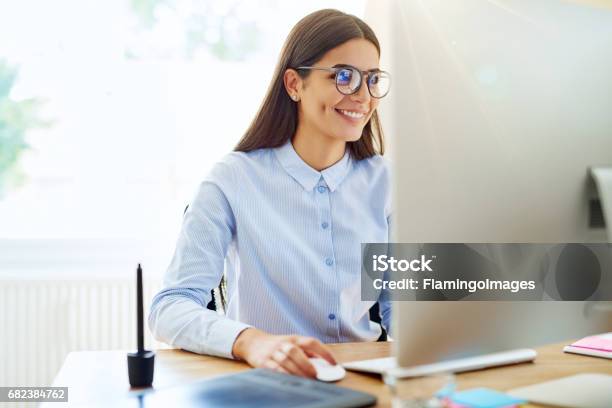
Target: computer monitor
{"points": [[497, 112]]}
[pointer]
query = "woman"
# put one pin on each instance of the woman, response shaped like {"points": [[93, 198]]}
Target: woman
{"points": [[287, 212]]}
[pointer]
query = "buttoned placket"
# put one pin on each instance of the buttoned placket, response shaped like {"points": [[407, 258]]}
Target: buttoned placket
{"points": [[323, 199]]}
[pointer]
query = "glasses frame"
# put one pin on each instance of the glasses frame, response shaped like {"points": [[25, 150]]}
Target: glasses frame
{"points": [[337, 69]]}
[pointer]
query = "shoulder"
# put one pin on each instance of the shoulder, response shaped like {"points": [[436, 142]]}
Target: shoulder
{"points": [[375, 167], [234, 166], [375, 177]]}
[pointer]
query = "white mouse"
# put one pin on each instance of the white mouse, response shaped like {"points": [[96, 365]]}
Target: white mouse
{"points": [[327, 372]]}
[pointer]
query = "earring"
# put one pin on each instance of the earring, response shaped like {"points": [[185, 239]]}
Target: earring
{"points": [[294, 97]]}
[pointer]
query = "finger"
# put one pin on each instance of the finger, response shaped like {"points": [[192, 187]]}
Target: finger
{"points": [[284, 361], [296, 354], [273, 365], [314, 348]]}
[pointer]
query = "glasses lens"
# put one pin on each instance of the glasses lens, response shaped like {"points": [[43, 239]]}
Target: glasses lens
{"points": [[379, 84], [348, 80]]}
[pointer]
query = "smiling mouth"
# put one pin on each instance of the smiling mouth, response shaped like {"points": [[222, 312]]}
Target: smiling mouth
{"points": [[353, 115]]}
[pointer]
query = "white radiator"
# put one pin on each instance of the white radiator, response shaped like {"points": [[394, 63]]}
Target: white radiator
{"points": [[42, 320]]}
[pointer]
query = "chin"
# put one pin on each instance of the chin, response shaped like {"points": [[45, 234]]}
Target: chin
{"points": [[347, 135], [352, 136]]}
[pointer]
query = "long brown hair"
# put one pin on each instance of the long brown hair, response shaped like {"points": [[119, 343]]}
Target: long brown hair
{"points": [[312, 37]]}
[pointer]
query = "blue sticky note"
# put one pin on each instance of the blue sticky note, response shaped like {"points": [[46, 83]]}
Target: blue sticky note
{"points": [[485, 398]]}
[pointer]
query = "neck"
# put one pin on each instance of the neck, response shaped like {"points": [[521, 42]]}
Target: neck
{"points": [[317, 150]]}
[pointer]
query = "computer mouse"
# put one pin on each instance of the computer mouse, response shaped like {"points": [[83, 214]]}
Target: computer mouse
{"points": [[327, 372]]}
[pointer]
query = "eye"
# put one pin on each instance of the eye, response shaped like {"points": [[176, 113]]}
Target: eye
{"points": [[344, 76]]}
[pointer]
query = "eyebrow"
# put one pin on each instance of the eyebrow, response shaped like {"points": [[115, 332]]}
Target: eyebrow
{"points": [[352, 66]]}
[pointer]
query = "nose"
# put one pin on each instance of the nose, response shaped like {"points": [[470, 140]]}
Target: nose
{"points": [[363, 94]]}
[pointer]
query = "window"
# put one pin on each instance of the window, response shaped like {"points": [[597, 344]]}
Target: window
{"points": [[132, 103]]}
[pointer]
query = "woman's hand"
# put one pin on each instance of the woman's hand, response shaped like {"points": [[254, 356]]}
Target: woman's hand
{"points": [[287, 354]]}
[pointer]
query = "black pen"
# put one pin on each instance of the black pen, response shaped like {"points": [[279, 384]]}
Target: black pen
{"points": [[142, 363]]}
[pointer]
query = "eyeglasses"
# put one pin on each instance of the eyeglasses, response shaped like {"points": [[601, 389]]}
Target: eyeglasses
{"points": [[349, 80]]}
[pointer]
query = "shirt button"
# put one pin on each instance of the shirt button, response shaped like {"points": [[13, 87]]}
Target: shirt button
{"points": [[329, 262], [324, 225], [331, 316], [322, 189]]}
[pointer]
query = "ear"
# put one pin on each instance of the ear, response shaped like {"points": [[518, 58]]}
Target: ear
{"points": [[293, 84]]}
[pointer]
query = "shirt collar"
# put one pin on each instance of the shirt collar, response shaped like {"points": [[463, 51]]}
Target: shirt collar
{"points": [[306, 175]]}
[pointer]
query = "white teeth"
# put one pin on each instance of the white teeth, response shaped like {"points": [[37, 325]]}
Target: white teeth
{"points": [[356, 115]]}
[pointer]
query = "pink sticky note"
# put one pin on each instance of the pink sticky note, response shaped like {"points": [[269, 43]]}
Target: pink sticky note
{"points": [[594, 343]]}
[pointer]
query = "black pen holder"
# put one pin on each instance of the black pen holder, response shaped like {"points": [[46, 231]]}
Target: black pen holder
{"points": [[140, 368]]}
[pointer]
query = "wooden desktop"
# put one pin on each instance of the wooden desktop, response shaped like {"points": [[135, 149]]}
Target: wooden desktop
{"points": [[98, 376]]}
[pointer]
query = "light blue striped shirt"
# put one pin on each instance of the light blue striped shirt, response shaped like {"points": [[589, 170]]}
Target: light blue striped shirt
{"points": [[290, 238]]}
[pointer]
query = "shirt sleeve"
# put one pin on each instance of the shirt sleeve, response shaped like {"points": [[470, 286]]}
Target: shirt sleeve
{"points": [[178, 314]]}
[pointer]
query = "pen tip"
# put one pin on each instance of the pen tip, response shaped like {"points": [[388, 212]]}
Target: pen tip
{"points": [[139, 268]]}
